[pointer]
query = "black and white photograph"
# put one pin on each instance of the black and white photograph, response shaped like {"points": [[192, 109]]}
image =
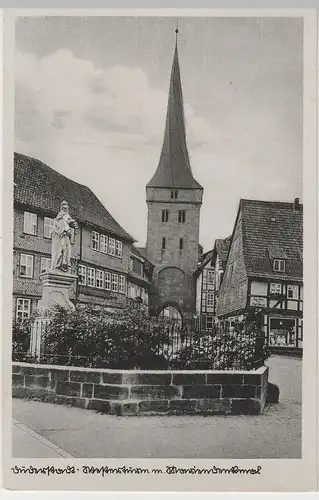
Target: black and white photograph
{"points": [[158, 241]]}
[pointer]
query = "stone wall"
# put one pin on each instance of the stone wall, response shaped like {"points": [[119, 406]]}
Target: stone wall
{"points": [[130, 392]]}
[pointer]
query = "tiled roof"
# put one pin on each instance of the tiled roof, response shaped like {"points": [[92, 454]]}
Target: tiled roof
{"points": [[272, 230], [39, 186], [174, 170], [222, 247]]}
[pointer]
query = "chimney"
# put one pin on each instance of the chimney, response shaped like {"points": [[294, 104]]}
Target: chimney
{"points": [[296, 206]]}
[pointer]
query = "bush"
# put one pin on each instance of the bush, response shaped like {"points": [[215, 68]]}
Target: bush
{"points": [[96, 338], [241, 348], [129, 339]]}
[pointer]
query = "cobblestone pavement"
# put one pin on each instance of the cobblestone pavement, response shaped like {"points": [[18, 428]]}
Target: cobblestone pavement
{"points": [[86, 434]]}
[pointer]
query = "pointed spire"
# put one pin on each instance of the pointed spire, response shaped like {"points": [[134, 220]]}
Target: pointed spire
{"points": [[174, 170]]}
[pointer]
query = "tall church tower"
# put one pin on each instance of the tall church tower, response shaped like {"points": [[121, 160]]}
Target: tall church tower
{"points": [[174, 200]]}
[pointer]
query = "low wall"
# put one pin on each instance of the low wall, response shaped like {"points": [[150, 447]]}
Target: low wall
{"points": [[144, 392]]}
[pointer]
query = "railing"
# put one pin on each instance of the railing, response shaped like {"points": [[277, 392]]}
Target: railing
{"points": [[172, 348]]}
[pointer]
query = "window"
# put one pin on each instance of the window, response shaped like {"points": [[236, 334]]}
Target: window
{"points": [[107, 281], [164, 215], [209, 322], [115, 282], [279, 265], [45, 265], [99, 278], [292, 291], [210, 277], [181, 243], [111, 246], [91, 276], [163, 243], [122, 284], [210, 299], [275, 288], [82, 274], [181, 215], [47, 227], [118, 249], [174, 194], [95, 240], [30, 223], [23, 309], [26, 266], [103, 243]]}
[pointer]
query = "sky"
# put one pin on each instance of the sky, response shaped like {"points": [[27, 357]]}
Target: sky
{"points": [[91, 96]]}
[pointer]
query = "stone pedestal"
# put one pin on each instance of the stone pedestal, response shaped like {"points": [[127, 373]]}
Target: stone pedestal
{"points": [[56, 286]]}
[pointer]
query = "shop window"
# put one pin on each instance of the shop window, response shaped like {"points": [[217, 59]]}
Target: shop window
{"points": [[282, 332]]}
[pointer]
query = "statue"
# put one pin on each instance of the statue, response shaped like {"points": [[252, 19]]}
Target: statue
{"points": [[62, 233]]}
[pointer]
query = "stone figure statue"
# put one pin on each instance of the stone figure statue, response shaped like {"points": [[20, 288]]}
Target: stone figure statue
{"points": [[62, 234]]}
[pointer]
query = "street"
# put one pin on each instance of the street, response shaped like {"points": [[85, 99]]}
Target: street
{"points": [[46, 430]]}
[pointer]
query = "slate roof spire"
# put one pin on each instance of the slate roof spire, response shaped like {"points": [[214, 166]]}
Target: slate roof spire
{"points": [[174, 170]]}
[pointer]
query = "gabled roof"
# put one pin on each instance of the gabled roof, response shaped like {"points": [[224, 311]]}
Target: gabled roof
{"points": [[271, 230], [38, 186], [174, 170], [220, 249]]}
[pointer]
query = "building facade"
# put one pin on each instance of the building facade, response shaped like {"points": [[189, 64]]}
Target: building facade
{"points": [[209, 275], [174, 200], [101, 247], [139, 278], [264, 271]]}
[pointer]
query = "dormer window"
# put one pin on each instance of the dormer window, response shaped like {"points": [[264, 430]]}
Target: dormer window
{"points": [[279, 265], [174, 194]]}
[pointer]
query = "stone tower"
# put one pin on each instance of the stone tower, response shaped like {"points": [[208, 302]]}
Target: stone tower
{"points": [[174, 200]]}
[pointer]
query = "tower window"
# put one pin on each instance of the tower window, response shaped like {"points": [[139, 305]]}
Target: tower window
{"points": [[164, 215], [174, 194], [181, 243], [181, 215], [163, 243]]}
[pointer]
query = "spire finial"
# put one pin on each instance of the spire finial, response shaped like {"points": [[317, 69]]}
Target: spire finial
{"points": [[176, 30]]}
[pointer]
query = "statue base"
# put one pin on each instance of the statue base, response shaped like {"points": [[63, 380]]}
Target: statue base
{"points": [[56, 287]]}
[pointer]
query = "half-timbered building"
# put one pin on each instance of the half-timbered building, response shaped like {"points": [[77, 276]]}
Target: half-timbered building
{"points": [[264, 271]]}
